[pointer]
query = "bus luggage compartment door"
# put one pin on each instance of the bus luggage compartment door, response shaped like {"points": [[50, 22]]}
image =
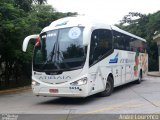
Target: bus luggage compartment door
{"points": [[128, 73], [117, 75]]}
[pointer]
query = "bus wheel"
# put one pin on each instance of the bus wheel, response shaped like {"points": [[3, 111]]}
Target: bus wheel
{"points": [[109, 87], [140, 77]]}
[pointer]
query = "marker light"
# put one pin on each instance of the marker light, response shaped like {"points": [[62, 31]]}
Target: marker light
{"points": [[38, 42]]}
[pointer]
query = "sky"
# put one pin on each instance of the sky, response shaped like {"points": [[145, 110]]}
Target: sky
{"points": [[111, 11]]}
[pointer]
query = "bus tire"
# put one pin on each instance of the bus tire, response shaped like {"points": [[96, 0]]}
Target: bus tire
{"points": [[109, 87], [140, 77]]}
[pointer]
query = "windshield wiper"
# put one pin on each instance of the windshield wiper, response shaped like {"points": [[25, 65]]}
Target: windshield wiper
{"points": [[60, 58], [52, 54], [50, 58]]}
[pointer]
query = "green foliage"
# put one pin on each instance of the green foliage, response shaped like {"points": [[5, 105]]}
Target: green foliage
{"points": [[40, 1], [18, 19], [144, 26], [26, 5]]}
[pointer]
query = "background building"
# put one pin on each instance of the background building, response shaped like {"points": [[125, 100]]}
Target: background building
{"points": [[157, 39]]}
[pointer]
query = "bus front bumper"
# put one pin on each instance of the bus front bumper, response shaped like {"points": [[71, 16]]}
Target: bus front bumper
{"points": [[60, 91]]}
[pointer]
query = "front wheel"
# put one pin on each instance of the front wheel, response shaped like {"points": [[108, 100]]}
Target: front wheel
{"points": [[109, 87]]}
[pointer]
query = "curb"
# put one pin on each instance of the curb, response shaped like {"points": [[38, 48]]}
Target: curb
{"points": [[154, 74], [15, 90]]}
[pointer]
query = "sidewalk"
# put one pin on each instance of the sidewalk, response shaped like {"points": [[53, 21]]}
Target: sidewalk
{"points": [[154, 73], [15, 90]]}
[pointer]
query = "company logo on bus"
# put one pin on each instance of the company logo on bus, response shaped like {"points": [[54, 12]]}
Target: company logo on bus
{"points": [[54, 77], [115, 59], [61, 24]]}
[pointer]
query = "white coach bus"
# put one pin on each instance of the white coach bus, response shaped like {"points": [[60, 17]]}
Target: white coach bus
{"points": [[79, 57]]}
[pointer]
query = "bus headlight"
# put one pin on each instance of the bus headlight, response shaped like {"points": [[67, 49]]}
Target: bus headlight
{"points": [[82, 81], [35, 83]]}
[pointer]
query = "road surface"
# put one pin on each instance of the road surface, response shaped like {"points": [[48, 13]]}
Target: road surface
{"points": [[131, 98]]}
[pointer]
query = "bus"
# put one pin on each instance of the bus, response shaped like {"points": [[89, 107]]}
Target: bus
{"points": [[78, 57]]}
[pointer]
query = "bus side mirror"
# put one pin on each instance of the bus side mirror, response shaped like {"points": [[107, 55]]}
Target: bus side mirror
{"points": [[26, 41]]}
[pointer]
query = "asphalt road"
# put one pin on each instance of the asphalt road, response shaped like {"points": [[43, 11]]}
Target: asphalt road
{"points": [[131, 98]]}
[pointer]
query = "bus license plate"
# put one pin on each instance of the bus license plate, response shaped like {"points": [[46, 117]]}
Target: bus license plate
{"points": [[53, 90]]}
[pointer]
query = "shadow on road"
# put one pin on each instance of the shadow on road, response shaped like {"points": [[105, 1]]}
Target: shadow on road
{"points": [[70, 101], [83, 101], [127, 86]]}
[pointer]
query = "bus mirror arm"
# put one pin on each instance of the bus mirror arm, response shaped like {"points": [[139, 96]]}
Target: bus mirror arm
{"points": [[26, 41]]}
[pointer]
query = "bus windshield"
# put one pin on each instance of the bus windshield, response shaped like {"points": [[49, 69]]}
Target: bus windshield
{"points": [[59, 50]]}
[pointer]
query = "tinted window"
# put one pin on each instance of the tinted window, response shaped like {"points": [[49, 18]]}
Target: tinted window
{"points": [[129, 43], [101, 44], [126, 42], [119, 42]]}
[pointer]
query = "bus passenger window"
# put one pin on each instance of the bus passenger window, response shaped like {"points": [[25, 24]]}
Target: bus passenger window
{"points": [[119, 41]]}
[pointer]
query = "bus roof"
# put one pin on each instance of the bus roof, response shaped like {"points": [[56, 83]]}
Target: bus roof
{"points": [[84, 21], [76, 21]]}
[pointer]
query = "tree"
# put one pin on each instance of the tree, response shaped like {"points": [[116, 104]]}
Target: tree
{"points": [[144, 26], [18, 19], [26, 5], [40, 1], [14, 25]]}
